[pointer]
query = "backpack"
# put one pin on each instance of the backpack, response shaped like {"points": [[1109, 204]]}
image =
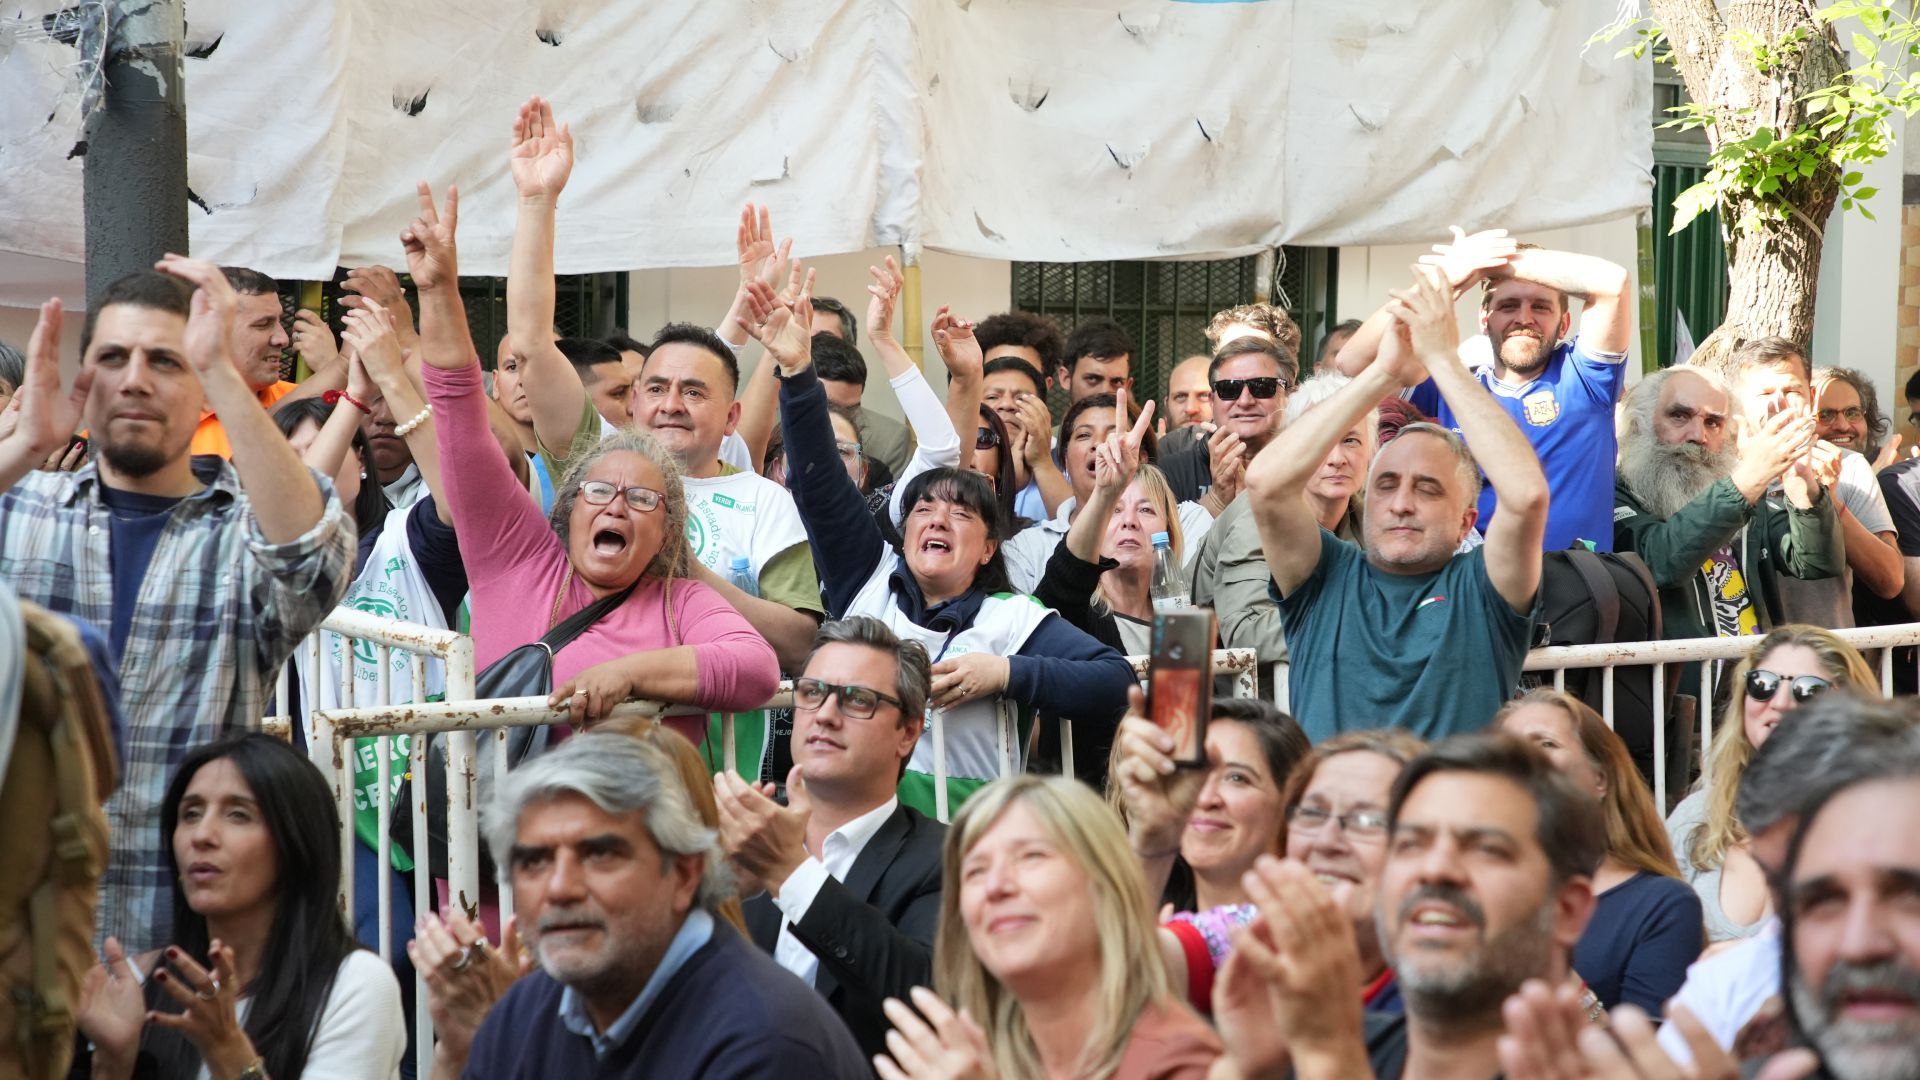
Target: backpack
{"points": [[1595, 598], [62, 768]]}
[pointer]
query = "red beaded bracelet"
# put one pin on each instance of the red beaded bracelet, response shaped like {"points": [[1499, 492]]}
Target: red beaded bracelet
{"points": [[335, 397]]}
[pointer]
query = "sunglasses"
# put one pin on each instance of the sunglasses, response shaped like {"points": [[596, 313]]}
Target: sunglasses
{"points": [[1762, 685], [984, 438], [600, 493], [1262, 387]]}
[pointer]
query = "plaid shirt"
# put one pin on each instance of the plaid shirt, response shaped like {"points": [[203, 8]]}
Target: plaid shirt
{"points": [[218, 613]]}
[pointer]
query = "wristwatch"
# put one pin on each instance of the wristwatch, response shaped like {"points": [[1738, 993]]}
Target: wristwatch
{"points": [[255, 1071]]}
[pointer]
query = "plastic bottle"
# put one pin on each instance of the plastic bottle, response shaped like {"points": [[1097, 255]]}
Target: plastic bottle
{"points": [[740, 576], [1169, 588]]}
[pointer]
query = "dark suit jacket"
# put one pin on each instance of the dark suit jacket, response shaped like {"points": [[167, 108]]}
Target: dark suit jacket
{"points": [[873, 933]]}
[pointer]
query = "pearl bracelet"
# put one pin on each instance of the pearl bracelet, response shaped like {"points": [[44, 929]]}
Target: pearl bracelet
{"points": [[407, 428]]}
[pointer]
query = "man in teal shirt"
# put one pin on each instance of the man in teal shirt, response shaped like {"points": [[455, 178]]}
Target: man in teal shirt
{"points": [[1405, 633]]}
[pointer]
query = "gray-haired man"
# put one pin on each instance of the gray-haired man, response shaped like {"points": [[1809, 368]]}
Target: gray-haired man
{"points": [[615, 880], [851, 876]]}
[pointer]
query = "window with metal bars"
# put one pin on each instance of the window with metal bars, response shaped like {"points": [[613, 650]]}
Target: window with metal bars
{"points": [[585, 305], [1690, 267], [1165, 306]]}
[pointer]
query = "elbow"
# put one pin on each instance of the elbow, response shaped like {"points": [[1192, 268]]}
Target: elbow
{"points": [[1531, 498]]}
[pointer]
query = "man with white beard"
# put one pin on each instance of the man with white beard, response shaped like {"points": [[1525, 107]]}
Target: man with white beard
{"points": [[1694, 505]]}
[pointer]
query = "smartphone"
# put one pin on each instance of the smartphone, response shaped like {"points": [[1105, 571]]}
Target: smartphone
{"points": [[1180, 680]]}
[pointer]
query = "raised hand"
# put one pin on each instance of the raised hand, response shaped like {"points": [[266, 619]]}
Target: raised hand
{"points": [[41, 419], [209, 337], [760, 259], [542, 151], [959, 350], [1227, 458], [112, 1008], [1468, 258], [211, 1020], [465, 976], [431, 241], [1889, 454], [883, 298], [1770, 445], [1426, 309], [313, 340], [1036, 423], [380, 283], [785, 331], [763, 839], [370, 333], [947, 1045], [1158, 794]]}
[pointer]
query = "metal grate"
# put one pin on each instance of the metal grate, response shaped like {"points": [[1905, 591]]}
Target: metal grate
{"points": [[585, 305], [1165, 306]]}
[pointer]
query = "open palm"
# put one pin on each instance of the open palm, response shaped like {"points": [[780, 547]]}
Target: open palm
{"points": [[542, 151]]}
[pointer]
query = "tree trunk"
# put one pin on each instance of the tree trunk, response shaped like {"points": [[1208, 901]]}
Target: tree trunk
{"points": [[1773, 262]]}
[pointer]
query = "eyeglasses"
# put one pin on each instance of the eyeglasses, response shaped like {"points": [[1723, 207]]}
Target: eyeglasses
{"points": [[857, 702], [849, 451], [1262, 387], [985, 438], [1365, 824], [1853, 413], [1762, 685], [600, 493]]}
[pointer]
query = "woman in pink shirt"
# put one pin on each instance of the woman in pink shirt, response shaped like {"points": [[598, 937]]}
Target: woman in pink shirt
{"points": [[619, 519]]}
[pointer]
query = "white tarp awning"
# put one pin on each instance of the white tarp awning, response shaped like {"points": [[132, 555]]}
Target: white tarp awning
{"points": [[1054, 130]]}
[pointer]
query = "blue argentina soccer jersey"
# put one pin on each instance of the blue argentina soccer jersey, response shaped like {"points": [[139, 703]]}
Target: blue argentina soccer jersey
{"points": [[1567, 414]]}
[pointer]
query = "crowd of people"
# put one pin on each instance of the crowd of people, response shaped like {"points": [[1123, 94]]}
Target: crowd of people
{"points": [[1419, 868]]}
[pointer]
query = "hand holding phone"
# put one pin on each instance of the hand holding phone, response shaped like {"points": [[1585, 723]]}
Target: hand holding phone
{"points": [[1180, 680]]}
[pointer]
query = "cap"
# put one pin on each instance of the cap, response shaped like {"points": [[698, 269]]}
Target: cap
{"points": [[1161, 539]]}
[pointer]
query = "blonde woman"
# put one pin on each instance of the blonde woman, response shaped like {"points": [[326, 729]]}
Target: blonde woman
{"points": [[1046, 949], [1101, 574], [1647, 923], [1789, 666]]}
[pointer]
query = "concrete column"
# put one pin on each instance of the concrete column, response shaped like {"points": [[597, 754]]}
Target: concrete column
{"points": [[136, 157]]}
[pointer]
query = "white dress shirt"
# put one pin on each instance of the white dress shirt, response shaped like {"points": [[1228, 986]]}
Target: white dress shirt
{"points": [[843, 845]]}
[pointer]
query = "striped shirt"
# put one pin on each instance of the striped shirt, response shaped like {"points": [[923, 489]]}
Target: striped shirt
{"points": [[218, 612]]}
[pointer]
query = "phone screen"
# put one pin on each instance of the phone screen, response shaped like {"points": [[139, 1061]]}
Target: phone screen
{"points": [[1180, 680]]}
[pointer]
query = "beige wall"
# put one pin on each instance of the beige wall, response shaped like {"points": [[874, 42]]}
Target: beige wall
{"points": [[975, 288]]}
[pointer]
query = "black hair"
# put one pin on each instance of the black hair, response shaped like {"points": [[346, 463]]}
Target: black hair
{"points": [[1025, 329], [1349, 327], [1568, 824], [680, 333], [1003, 472], [838, 360], [142, 289], [250, 282], [1015, 364], [839, 310], [1282, 741], [1254, 346], [585, 354], [1149, 443], [1913, 385], [370, 509], [309, 939], [621, 342], [971, 490], [1101, 339]]}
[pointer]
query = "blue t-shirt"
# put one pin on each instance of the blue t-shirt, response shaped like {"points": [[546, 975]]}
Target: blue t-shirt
{"points": [[1644, 933], [1435, 654], [133, 532], [1567, 414]]}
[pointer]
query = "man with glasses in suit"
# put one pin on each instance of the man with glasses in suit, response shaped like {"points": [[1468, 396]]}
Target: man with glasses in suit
{"points": [[843, 882]]}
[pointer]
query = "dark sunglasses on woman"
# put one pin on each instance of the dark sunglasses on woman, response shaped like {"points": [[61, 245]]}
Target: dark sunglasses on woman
{"points": [[984, 438], [1762, 685]]}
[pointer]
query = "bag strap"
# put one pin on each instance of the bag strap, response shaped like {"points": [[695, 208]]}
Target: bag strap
{"points": [[577, 623], [1599, 582]]}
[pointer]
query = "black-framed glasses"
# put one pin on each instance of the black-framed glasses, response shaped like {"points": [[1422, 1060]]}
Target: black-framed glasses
{"points": [[1763, 684], [1853, 413], [1367, 824], [600, 493], [985, 438], [1260, 386], [855, 701]]}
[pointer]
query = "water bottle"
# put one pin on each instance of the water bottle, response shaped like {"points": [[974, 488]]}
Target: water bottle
{"points": [[740, 576], [1169, 588]]}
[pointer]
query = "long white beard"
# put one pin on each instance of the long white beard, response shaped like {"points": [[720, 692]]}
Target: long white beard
{"points": [[1668, 477]]}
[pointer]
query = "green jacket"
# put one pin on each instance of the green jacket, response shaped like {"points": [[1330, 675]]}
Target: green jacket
{"points": [[1771, 537]]}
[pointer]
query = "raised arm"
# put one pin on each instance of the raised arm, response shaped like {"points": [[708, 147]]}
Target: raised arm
{"points": [[542, 160], [966, 382], [329, 449], [1465, 261], [932, 423], [372, 332], [46, 415], [763, 261], [1503, 453], [1603, 288], [1277, 477], [286, 501]]}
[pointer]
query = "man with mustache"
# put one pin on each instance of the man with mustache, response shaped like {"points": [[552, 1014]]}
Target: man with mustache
{"points": [[849, 877], [615, 885], [1488, 883], [1696, 507]]}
